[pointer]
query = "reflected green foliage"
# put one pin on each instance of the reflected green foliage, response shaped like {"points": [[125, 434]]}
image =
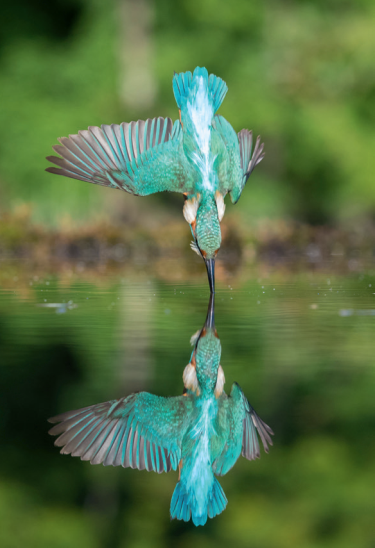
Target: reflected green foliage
{"points": [[300, 73], [303, 354]]}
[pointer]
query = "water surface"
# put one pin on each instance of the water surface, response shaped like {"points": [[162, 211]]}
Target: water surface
{"points": [[301, 346]]}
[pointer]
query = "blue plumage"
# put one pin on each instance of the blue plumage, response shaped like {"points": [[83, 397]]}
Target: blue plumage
{"points": [[201, 433], [185, 82], [199, 156]]}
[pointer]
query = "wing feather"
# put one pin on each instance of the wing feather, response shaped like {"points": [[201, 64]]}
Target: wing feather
{"points": [[141, 431], [243, 426], [139, 157], [241, 162]]}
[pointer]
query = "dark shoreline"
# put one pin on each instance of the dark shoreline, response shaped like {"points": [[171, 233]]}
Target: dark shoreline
{"points": [[282, 245]]}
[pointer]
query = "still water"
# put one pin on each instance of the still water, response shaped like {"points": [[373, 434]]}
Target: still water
{"points": [[300, 345]]}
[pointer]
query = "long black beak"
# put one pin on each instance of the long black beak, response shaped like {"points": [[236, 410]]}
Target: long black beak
{"points": [[210, 319], [210, 265]]}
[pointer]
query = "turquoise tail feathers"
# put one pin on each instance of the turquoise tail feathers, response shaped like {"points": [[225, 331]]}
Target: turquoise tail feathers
{"points": [[180, 507], [184, 506], [184, 84]]}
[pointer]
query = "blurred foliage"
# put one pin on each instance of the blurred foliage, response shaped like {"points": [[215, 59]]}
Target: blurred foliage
{"points": [[307, 368], [300, 73], [161, 248]]}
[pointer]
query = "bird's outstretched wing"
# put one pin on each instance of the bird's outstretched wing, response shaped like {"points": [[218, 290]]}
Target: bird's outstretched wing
{"points": [[253, 424], [243, 425], [140, 157], [141, 431], [248, 160], [241, 161]]}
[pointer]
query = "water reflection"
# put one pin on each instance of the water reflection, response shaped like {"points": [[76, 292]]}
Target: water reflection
{"points": [[201, 433], [60, 308], [307, 370]]}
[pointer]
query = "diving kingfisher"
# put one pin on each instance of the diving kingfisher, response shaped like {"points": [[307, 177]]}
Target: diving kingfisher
{"points": [[200, 155], [201, 433]]}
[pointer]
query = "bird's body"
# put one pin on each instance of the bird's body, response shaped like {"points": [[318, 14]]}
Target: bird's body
{"points": [[202, 433], [198, 492], [199, 155]]}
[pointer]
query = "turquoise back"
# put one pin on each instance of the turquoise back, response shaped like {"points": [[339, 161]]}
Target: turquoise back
{"points": [[207, 356], [207, 230]]}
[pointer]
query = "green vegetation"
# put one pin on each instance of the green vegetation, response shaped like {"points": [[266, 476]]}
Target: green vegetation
{"points": [[307, 370], [299, 73]]}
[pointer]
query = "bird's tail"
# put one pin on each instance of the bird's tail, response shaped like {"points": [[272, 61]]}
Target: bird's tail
{"points": [[185, 84], [184, 504]]}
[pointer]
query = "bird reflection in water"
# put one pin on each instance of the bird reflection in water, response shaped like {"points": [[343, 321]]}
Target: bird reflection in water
{"points": [[201, 433]]}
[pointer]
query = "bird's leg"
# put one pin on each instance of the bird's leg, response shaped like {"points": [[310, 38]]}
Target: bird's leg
{"points": [[179, 113], [180, 464]]}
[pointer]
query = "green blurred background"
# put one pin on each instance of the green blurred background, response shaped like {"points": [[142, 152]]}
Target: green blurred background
{"points": [[301, 74]]}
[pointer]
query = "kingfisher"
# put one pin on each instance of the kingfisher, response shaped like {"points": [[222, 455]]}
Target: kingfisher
{"points": [[199, 155], [201, 433]]}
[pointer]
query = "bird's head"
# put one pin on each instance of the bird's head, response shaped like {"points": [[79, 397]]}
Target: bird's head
{"points": [[204, 216], [208, 238], [204, 373]]}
